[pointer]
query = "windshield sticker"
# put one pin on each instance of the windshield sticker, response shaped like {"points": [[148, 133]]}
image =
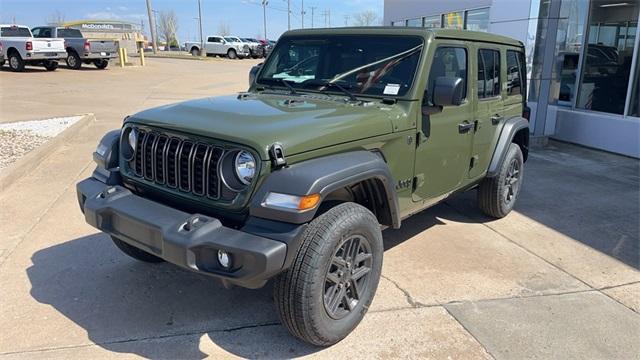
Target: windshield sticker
{"points": [[391, 89]]}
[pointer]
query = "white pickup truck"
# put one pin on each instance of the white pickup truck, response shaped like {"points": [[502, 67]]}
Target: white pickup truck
{"points": [[20, 48], [218, 45]]}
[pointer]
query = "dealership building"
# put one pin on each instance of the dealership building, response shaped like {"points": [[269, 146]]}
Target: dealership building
{"points": [[125, 32], [583, 63]]}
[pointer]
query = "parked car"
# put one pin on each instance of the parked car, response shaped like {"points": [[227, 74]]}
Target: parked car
{"points": [[79, 49], [255, 47], [2, 61], [20, 48], [217, 45], [341, 133], [239, 42]]}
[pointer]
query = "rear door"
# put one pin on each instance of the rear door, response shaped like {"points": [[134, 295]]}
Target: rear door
{"points": [[442, 158], [490, 77]]}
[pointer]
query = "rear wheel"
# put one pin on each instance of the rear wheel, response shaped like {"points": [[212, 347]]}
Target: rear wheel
{"points": [[50, 65], [101, 64], [329, 287], [73, 60], [195, 52], [15, 61], [231, 54], [497, 195], [135, 253]]}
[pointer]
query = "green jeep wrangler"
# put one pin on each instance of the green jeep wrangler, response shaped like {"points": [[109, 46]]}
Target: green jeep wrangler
{"points": [[343, 132]]}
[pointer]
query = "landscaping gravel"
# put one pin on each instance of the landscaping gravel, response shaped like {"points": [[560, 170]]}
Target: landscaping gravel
{"points": [[17, 139]]}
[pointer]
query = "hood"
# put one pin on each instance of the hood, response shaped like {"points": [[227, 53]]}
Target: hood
{"points": [[300, 123]]}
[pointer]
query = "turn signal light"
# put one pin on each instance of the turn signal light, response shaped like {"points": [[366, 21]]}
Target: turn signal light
{"points": [[308, 202]]}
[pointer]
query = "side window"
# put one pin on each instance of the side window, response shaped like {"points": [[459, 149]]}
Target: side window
{"points": [[211, 39], [515, 73], [45, 33], [448, 62], [488, 73], [35, 32]]}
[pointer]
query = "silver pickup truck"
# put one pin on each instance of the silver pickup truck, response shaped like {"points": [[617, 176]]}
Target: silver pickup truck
{"points": [[79, 49]]}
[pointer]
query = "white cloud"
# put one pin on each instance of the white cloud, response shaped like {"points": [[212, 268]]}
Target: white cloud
{"points": [[108, 14]]}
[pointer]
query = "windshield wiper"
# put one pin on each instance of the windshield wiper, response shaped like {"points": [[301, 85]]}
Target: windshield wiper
{"points": [[327, 84], [286, 83]]}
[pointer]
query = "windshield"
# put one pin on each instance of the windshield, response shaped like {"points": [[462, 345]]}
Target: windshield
{"points": [[232, 39], [15, 31], [365, 65]]}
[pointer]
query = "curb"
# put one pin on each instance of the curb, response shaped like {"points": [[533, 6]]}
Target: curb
{"points": [[33, 158]]}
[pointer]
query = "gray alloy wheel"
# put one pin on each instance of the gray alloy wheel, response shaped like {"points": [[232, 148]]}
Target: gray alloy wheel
{"points": [[15, 62], [329, 287], [231, 54], [73, 61], [195, 52]]}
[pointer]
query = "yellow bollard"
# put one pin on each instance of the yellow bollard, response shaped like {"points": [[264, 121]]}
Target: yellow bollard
{"points": [[124, 51], [121, 56], [141, 56]]}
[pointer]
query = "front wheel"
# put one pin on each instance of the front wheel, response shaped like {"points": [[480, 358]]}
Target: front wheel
{"points": [[195, 52], [329, 287], [497, 195], [50, 65], [231, 54]]}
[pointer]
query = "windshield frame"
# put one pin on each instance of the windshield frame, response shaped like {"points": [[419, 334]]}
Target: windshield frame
{"points": [[408, 95]]}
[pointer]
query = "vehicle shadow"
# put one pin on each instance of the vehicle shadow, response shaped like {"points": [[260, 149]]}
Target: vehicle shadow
{"points": [[27, 69], [160, 310]]}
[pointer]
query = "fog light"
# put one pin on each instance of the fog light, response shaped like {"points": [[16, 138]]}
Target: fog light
{"points": [[224, 259]]}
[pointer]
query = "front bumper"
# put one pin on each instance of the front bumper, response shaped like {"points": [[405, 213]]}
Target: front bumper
{"points": [[188, 240], [54, 55]]}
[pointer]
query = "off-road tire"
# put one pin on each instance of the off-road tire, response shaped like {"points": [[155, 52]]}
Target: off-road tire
{"points": [[73, 60], [135, 253], [101, 64], [300, 291], [494, 192], [231, 54], [15, 62], [50, 65]]}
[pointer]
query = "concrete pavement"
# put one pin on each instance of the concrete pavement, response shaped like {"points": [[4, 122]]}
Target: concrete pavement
{"points": [[558, 278]]}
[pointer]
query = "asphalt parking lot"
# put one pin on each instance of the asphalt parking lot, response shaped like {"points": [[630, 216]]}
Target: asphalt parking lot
{"points": [[557, 278]]}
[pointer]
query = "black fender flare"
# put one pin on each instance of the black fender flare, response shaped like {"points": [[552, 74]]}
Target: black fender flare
{"points": [[509, 130], [322, 176]]}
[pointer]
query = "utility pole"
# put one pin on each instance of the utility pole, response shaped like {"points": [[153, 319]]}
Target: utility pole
{"points": [[329, 17], [264, 16], [302, 13], [313, 10], [289, 14], [325, 14], [152, 27], [155, 18], [346, 20], [202, 49]]}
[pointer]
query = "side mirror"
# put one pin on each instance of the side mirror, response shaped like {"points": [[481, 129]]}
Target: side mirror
{"points": [[253, 73], [448, 91]]}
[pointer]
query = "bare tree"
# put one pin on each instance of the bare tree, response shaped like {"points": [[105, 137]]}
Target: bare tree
{"points": [[168, 27], [224, 29], [55, 18], [366, 18]]}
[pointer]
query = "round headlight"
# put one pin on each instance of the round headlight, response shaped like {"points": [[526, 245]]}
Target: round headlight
{"points": [[245, 165], [133, 139]]}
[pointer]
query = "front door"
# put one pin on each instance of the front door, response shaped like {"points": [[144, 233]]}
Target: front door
{"points": [[442, 156]]}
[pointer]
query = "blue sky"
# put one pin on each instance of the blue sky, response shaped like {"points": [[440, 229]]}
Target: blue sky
{"points": [[243, 16]]}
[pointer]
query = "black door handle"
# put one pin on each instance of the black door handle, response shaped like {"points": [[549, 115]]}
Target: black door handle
{"points": [[495, 119], [465, 127]]}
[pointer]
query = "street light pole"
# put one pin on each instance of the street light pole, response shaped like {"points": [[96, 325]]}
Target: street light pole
{"points": [[152, 27], [288, 14], [202, 49], [264, 16], [302, 13], [155, 19], [313, 10]]}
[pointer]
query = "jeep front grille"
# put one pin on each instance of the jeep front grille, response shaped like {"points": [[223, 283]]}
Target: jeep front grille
{"points": [[177, 163]]}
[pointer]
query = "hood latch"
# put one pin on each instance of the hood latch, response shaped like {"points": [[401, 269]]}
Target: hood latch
{"points": [[276, 153]]}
